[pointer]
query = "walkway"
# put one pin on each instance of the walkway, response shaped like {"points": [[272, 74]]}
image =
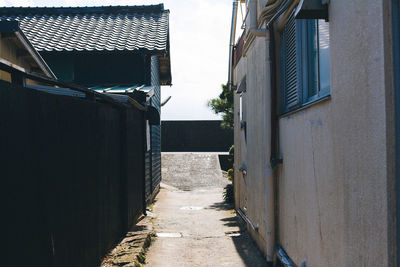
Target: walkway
{"points": [[193, 225]]}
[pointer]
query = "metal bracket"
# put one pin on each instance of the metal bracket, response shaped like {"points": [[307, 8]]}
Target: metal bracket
{"points": [[283, 257], [312, 9], [275, 161]]}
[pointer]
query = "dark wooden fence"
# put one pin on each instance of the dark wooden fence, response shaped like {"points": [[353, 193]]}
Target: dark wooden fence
{"points": [[72, 176], [195, 136]]}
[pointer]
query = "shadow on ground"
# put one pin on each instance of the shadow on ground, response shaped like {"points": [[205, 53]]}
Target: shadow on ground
{"points": [[220, 206], [245, 246]]}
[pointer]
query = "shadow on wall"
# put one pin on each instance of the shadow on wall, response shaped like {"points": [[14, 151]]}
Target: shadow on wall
{"points": [[195, 136]]}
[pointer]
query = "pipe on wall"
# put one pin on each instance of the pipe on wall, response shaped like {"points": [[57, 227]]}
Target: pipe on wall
{"points": [[247, 220], [274, 123], [270, 182], [232, 43], [253, 28], [270, 194], [271, 12]]}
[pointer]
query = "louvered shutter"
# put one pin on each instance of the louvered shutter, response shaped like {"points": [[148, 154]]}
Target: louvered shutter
{"points": [[290, 90]]}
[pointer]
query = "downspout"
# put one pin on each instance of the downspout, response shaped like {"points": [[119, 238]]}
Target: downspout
{"points": [[270, 195], [254, 21], [270, 87], [274, 131], [275, 158], [232, 44]]}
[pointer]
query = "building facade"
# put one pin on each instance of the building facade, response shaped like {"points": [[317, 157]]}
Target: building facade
{"points": [[116, 50], [315, 139]]}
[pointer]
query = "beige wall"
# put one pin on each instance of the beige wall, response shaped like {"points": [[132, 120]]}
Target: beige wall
{"points": [[335, 187], [251, 189], [8, 51]]}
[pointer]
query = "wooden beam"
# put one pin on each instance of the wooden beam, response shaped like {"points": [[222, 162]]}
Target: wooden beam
{"points": [[22, 53]]}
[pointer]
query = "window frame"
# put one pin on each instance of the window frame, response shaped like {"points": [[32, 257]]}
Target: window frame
{"points": [[304, 40]]}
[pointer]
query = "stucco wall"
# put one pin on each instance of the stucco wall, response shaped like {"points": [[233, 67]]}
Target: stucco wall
{"points": [[253, 151], [335, 187], [310, 195]]}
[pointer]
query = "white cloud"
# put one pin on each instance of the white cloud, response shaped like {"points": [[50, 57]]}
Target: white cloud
{"points": [[17, 3], [199, 31]]}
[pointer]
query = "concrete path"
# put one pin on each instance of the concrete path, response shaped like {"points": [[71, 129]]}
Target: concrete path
{"points": [[194, 227]]}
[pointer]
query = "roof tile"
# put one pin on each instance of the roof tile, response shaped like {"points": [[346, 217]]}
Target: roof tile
{"points": [[93, 28]]}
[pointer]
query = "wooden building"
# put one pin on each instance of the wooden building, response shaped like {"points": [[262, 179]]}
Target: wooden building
{"points": [[113, 50]]}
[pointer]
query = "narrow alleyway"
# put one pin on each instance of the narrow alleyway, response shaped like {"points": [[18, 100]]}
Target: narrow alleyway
{"points": [[194, 226]]}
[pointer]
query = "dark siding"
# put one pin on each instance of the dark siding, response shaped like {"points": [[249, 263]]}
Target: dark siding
{"points": [[396, 59], [156, 156], [72, 177], [134, 165], [156, 129], [98, 68], [62, 65], [148, 175]]}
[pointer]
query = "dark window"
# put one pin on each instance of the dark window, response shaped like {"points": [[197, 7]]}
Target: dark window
{"points": [[305, 62]]}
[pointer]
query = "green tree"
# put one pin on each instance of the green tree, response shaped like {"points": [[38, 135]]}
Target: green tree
{"points": [[224, 105]]}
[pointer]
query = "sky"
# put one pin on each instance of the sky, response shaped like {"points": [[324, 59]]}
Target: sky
{"points": [[199, 44]]}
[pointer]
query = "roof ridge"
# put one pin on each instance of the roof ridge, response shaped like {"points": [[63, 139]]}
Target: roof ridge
{"points": [[81, 9]]}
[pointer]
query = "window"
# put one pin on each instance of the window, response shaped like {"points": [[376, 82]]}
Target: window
{"points": [[305, 62], [242, 116]]}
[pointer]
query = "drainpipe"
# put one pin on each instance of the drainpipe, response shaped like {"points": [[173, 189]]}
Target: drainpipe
{"points": [[232, 44], [274, 159], [274, 132], [253, 20], [270, 178]]}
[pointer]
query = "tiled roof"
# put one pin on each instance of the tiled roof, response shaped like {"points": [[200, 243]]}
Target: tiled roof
{"points": [[93, 28]]}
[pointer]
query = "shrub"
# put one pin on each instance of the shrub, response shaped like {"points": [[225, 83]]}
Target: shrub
{"points": [[228, 194], [230, 174]]}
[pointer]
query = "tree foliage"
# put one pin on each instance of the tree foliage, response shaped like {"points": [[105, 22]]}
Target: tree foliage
{"points": [[224, 105]]}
